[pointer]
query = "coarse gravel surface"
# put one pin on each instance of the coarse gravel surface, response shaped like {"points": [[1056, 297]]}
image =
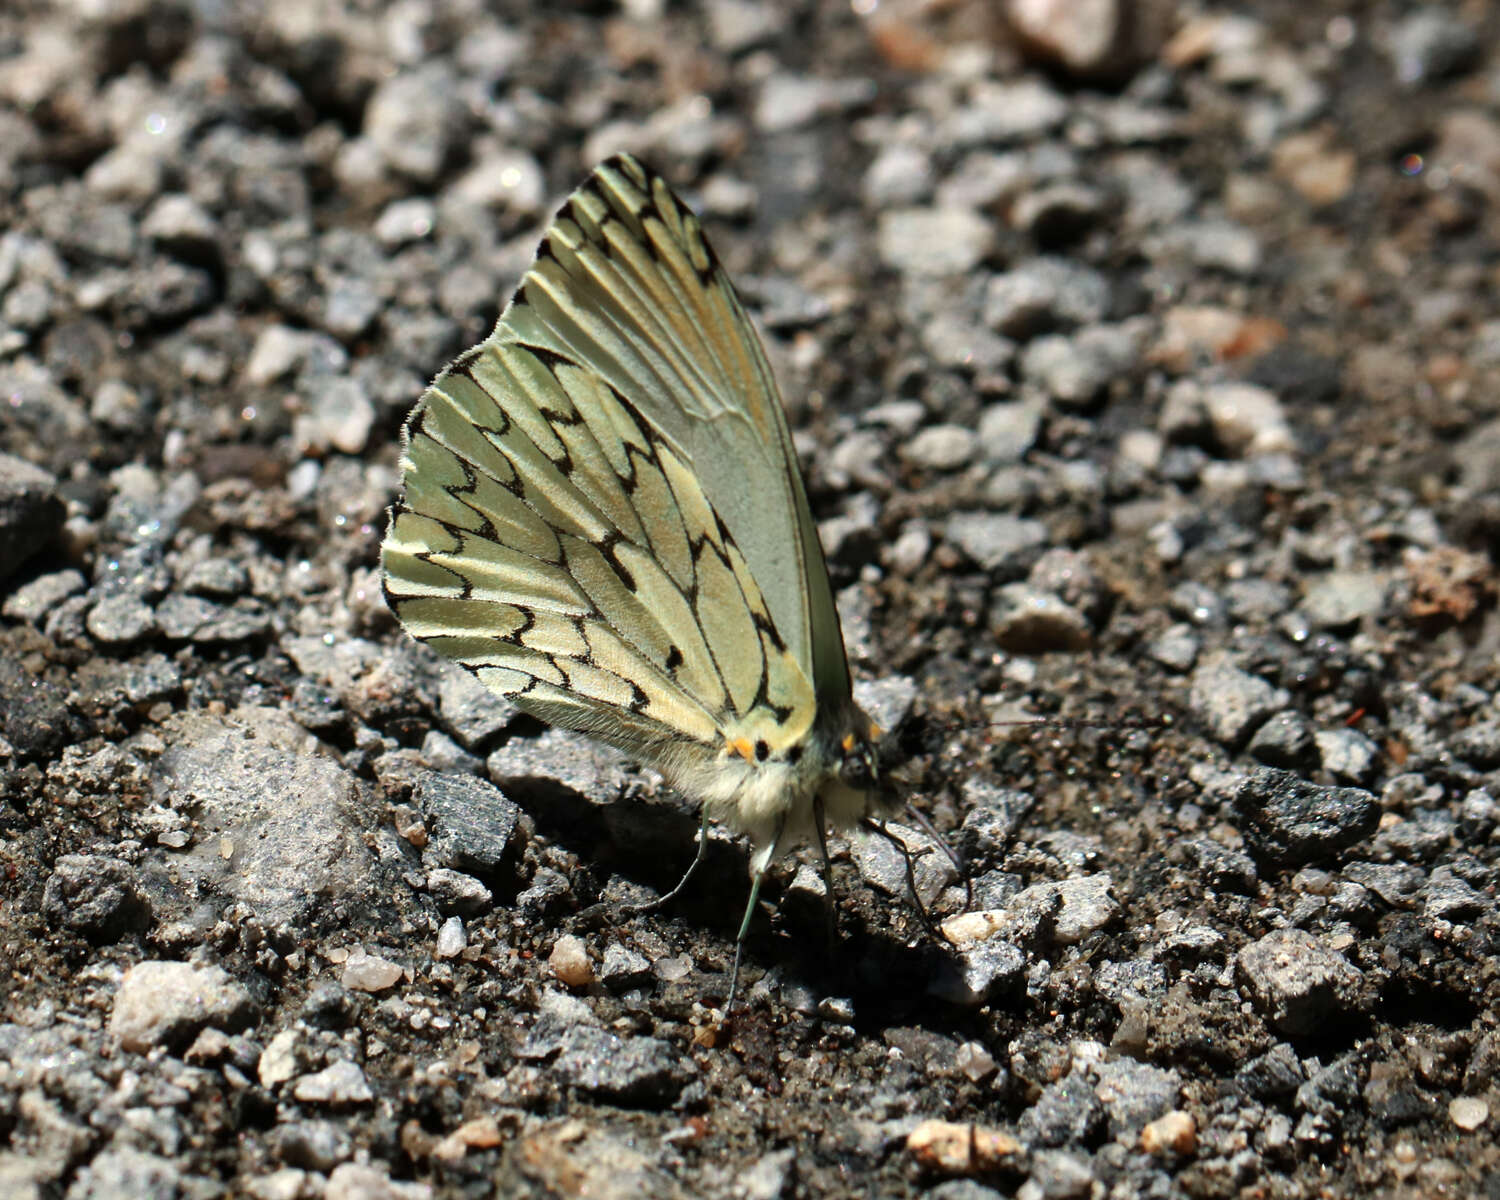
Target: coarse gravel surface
{"points": [[1145, 369]]}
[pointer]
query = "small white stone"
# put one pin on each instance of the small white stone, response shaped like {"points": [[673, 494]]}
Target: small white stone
{"points": [[341, 1083], [451, 938], [369, 973], [570, 963], [1469, 1112]]}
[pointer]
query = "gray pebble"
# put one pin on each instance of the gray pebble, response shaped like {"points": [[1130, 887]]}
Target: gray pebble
{"points": [[1134, 1094], [1067, 1113], [980, 973], [474, 827], [1220, 866], [1233, 703], [1008, 430], [933, 241], [472, 713], [454, 892], [217, 578], [1086, 907], [415, 120], [121, 618], [1348, 755], [338, 1084], [273, 828], [169, 1003], [32, 601], [996, 541], [882, 865], [900, 175], [1340, 600], [1005, 112], [1479, 744], [736, 25], [315, 1145], [1027, 620], [941, 448], [1447, 897], [623, 968], [404, 221], [1298, 982], [1175, 648], [789, 101], [1216, 244], [125, 1174], [1430, 44], [956, 341], [182, 227], [1057, 366], [1042, 294]]}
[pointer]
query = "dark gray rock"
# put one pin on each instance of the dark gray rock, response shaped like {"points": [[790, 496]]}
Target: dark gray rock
{"points": [[312, 1145], [1220, 866], [475, 828], [1068, 1113], [1286, 741], [1290, 822], [992, 815], [31, 512], [34, 714], [97, 897], [640, 1071]]}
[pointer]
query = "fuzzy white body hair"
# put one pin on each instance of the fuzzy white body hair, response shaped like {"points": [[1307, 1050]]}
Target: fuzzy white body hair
{"points": [[754, 798]]}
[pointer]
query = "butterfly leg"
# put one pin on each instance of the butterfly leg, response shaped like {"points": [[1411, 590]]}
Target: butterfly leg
{"points": [[919, 818], [829, 901], [698, 856], [760, 862], [878, 827]]}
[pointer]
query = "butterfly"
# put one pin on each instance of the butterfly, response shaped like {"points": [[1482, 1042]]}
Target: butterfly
{"points": [[603, 519]]}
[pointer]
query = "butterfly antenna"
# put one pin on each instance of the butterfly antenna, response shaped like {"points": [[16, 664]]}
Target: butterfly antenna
{"points": [[1162, 722], [698, 857]]}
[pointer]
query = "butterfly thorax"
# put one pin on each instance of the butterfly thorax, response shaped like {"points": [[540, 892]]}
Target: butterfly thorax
{"points": [[768, 780]]}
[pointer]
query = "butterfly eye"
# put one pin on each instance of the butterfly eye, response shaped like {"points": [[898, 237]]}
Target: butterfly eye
{"points": [[859, 769]]}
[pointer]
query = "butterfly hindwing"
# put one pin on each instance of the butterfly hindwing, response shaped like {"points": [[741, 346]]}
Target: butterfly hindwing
{"points": [[552, 542]]}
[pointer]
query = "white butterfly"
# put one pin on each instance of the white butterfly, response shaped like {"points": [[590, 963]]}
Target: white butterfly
{"points": [[603, 519]]}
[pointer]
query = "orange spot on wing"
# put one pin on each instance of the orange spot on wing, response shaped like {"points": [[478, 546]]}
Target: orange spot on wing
{"points": [[744, 748]]}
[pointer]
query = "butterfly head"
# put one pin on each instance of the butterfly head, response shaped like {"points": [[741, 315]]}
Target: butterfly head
{"points": [[863, 762]]}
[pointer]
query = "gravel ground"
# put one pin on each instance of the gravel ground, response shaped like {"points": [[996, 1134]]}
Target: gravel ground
{"points": [[1144, 370]]}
